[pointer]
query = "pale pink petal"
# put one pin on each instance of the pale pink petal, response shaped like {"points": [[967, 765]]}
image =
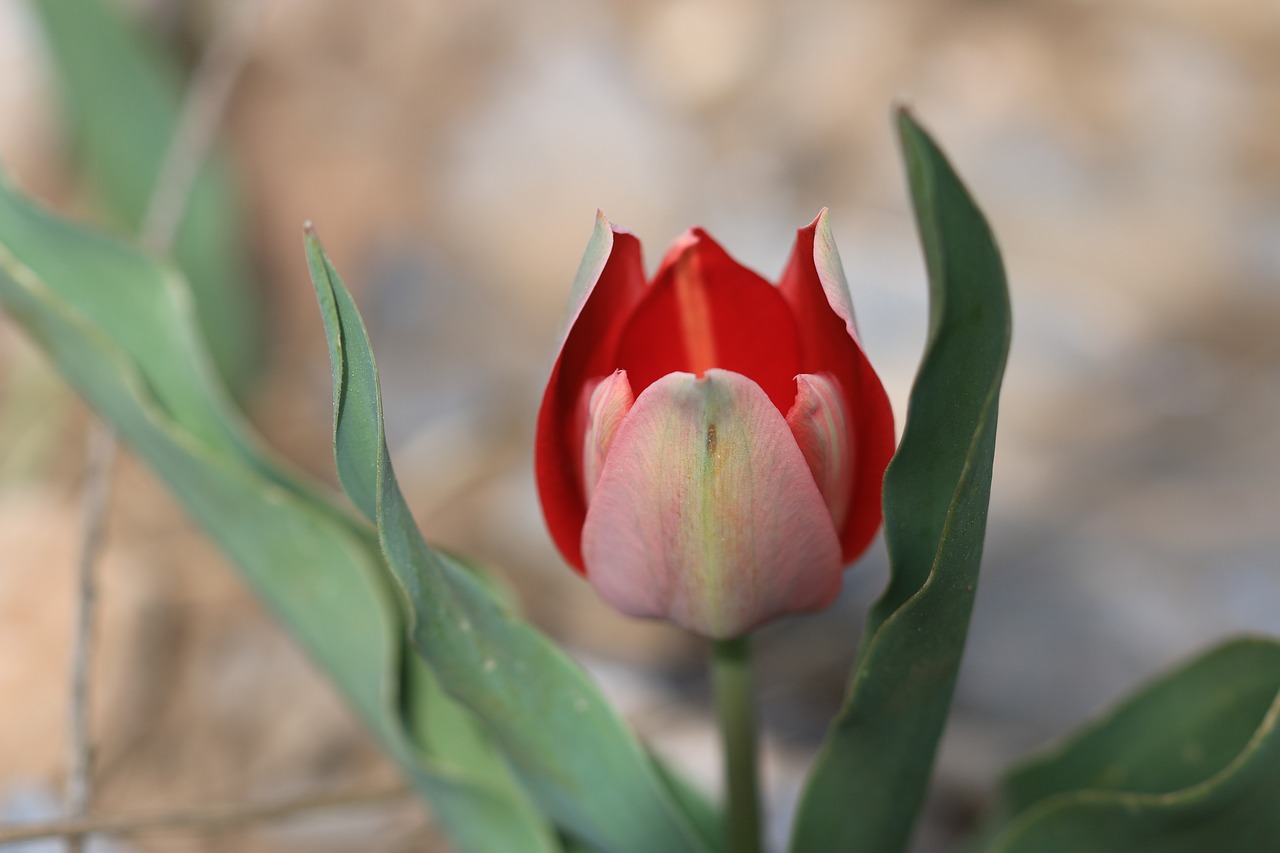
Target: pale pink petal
{"points": [[706, 513], [610, 283], [814, 286], [821, 428], [609, 401]]}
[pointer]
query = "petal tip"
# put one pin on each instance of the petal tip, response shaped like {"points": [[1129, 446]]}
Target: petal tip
{"points": [[819, 221], [604, 223]]}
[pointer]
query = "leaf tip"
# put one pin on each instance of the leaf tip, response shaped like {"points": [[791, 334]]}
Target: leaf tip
{"points": [[909, 129], [317, 260]]}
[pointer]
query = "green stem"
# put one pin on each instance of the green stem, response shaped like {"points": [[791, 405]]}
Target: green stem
{"points": [[731, 678]]}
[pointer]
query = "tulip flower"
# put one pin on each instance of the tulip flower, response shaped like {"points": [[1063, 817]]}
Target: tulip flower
{"points": [[710, 446]]}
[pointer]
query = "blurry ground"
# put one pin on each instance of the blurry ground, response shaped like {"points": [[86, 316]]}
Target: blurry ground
{"points": [[452, 156]]}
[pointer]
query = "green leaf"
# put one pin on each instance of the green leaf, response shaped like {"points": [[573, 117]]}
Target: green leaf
{"points": [[1190, 763], [705, 817], [122, 98], [577, 758], [873, 769], [120, 328]]}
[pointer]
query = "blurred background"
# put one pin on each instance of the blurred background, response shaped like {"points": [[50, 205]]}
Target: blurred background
{"points": [[453, 155]]}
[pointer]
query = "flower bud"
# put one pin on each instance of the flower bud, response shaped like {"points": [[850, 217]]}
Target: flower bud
{"points": [[711, 447]]}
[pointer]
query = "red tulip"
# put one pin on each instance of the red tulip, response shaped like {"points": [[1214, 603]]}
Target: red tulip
{"points": [[711, 447]]}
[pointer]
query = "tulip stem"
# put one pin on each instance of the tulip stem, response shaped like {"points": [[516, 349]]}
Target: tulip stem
{"points": [[731, 678]]}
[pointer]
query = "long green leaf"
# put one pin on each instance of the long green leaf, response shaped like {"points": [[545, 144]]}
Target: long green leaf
{"points": [[122, 98], [577, 758], [1191, 763], [120, 329], [873, 769]]}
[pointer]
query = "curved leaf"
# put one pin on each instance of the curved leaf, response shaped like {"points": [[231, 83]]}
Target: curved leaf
{"points": [[1190, 763], [871, 774], [576, 757], [119, 327]]}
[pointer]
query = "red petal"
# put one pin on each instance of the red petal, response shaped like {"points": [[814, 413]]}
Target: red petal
{"points": [[706, 310], [610, 282], [815, 288]]}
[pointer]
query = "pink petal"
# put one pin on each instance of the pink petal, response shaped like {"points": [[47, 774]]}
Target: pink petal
{"points": [[706, 513], [815, 288], [819, 423], [607, 405], [610, 282]]}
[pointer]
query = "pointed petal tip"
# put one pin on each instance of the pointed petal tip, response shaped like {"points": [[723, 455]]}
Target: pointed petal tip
{"points": [[693, 236], [819, 222], [604, 223], [690, 240]]}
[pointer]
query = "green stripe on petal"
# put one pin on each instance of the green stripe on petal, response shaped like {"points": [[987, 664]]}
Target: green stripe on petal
{"points": [[706, 513]]}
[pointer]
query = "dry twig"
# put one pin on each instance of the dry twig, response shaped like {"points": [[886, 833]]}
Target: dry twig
{"points": [[202, 110], [99, 457], [202, 819]]}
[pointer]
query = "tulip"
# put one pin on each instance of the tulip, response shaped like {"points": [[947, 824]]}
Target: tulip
{"points": [[710, 446]]}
